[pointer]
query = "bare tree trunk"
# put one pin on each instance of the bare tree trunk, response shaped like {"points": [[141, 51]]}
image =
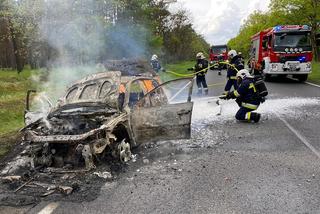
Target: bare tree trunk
{"points": [[315, 28], [16, 54]]}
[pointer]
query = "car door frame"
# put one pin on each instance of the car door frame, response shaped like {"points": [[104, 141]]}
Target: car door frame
{"points": [[182, 114]]}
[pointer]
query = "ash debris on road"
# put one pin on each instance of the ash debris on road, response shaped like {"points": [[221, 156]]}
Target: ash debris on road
{"points": [[80, 185]]}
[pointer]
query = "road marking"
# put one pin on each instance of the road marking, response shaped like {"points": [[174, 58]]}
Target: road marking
{"points": [[206, 98], [174, 96], [315, 85], [308, 83], [49, 208], [300, 136]]}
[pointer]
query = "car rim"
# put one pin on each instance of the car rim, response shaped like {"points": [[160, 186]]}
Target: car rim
{"points": [[124, 151]]}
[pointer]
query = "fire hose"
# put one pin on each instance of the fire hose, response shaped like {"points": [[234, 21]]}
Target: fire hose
{"points": [[211, 85], [190, 75], [193, 74]]}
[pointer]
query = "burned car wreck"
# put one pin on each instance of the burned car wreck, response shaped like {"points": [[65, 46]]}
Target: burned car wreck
{"points": [[107, 113]]}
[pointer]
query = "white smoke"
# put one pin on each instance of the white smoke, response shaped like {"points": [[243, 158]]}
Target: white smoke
{"points": [[80, 35]]}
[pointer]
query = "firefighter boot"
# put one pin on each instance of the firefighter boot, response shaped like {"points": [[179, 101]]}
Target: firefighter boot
{"points": [[206, 91], [199, 91], [255, 117]]}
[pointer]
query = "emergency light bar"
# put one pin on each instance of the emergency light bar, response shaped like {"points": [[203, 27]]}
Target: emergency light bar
{"points": [[280, 28]]}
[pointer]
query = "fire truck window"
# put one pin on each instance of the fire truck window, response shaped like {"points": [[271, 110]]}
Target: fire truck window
{"points": [[269, 40], [265, 43], [292, 40], [252, 51], [255, 48]]}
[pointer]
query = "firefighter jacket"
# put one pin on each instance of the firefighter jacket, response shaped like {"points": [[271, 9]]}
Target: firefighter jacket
{"points": [[202, 66], [155, 64], [235, 64], [246, 95]]}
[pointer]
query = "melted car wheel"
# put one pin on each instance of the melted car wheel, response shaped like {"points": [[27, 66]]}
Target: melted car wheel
{"points": [[124, 151]]}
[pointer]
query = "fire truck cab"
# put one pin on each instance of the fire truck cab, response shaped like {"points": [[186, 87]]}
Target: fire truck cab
{"points": [[218, 53], [283, 50]]}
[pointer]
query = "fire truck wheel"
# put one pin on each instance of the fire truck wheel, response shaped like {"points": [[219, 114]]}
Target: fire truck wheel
{"points": [[267, 77], [302, 77], [282, 76]]}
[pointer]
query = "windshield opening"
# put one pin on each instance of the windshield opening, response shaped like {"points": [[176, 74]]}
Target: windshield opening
{"points": [[292, 40], [89, 92], [72, 95], [105, 89]]}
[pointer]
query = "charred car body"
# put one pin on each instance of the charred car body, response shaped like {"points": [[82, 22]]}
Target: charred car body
{"points": [[106, 113]]}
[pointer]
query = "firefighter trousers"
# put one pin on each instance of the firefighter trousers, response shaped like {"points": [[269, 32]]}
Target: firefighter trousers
{"points": [[201, 82], [230, 83], [246, 114]]}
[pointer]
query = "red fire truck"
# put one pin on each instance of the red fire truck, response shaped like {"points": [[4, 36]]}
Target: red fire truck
{"points": [[218, 53], [282, 50]]}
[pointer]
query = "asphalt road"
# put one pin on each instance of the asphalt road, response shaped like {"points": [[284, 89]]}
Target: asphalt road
{"points": [[227, 166]]}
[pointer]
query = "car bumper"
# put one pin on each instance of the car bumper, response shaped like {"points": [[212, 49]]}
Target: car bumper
{"points": [[33, 137]]}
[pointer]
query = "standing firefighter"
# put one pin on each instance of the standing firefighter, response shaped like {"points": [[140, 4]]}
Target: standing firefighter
{"points": [[201, 69], [155, 64], [235, 66], [241, 58], [249, 95]]}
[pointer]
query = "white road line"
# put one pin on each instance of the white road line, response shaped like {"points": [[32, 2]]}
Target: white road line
{"points": [[308, 83], [206, 98], [49, 208], [315, 85], [174, 96], [300, 136]]}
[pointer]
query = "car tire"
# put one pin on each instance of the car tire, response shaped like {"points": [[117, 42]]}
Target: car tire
{"points": [[124, 151]]}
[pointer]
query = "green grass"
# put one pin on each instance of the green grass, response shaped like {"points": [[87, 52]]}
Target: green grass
{"points": [[13, 89], [180, 68], [315, 75]]}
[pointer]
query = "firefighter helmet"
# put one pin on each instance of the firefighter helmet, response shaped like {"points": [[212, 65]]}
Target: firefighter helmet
{"points": [[200, 55], [244, 73], [154, 57], [232, 53]]}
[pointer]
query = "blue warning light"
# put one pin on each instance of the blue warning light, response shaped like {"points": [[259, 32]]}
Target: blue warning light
{"points": [[302, 59], [277, 28]]}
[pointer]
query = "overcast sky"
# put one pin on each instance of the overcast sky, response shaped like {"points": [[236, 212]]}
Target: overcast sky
{"points": [[219, 20]]}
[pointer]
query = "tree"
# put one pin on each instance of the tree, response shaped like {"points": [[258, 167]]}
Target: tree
{"points": [[180, 40], [256, 22]]}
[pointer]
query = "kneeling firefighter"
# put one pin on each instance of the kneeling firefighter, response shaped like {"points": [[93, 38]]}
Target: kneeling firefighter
{"points": [[201, 69], [249, 95]]}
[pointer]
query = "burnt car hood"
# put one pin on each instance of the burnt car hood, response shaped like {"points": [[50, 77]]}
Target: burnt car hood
{"points": [[73, 122], [82, 108]]}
